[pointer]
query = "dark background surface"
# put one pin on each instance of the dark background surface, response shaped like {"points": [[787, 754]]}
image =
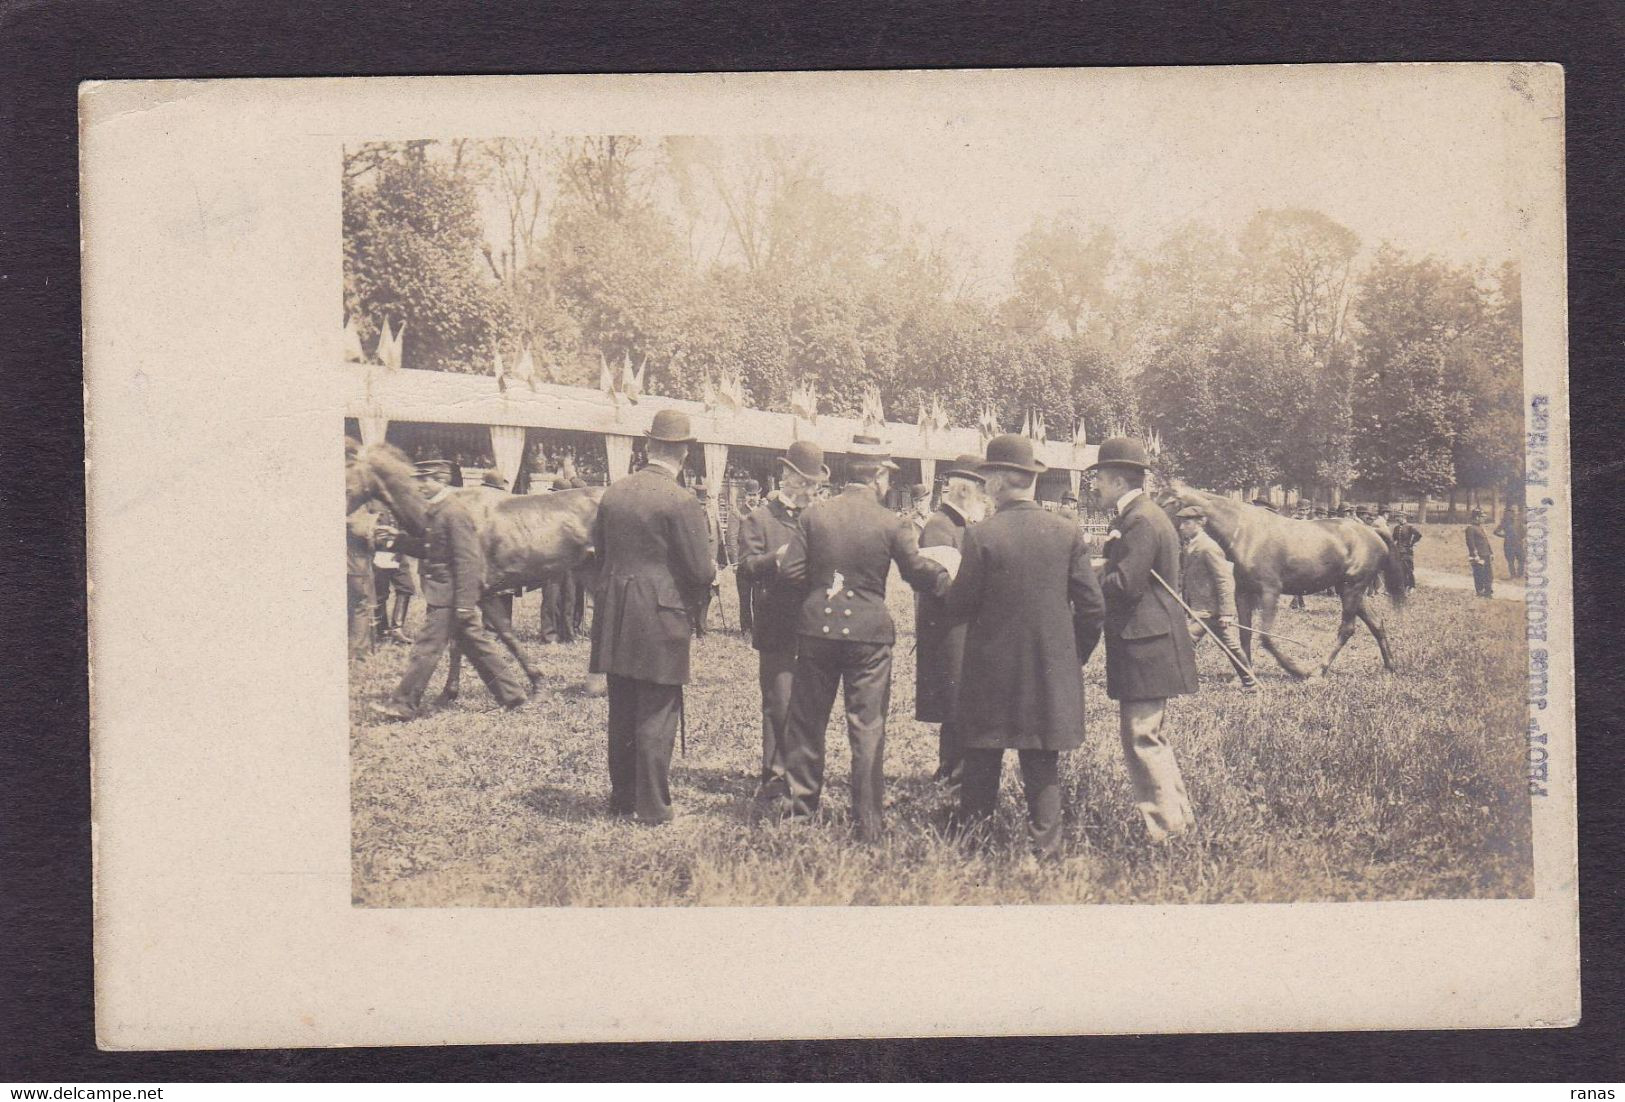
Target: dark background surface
{"points": [[45, 49]]}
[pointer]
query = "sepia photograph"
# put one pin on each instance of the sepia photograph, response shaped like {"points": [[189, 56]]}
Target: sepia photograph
{"points": [[1057, 534], [776, 487]]}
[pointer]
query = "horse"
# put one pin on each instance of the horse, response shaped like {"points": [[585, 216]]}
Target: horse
{"points": [[528, 539], [1275, 555]]}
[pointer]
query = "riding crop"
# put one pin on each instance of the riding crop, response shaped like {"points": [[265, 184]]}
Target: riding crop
{"points": [[1232, 655]]}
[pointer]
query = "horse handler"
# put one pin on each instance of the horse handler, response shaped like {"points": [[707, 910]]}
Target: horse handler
{"points": [[1026, 592], [453, 580], [651, 543], [1209, 582], [1149, 654]]}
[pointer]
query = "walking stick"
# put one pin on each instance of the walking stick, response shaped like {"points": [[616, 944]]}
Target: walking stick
{"points": [[1215, 636], [682, 723]]}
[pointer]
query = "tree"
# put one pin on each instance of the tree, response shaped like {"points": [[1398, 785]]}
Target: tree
{"points": [[1298, 264], [1061, 271], [412, 239]]}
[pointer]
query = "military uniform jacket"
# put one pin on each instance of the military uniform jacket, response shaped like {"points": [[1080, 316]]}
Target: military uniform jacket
{"points": [[1149, 654], [1406, 537], [653, 555], [839, 557], [452, 571], [1027, 593], [774, 609], [1478, 544], [939, 642], [1208, 579]]}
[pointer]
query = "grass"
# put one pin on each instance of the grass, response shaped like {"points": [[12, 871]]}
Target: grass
{"points": [[1444, 547], [1363, 786]]}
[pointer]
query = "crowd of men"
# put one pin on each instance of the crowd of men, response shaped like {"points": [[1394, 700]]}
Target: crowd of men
{"points": [[1011, 603]]}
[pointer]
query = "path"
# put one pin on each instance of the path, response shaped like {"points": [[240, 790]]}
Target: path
{"points": [[1445, 579]]}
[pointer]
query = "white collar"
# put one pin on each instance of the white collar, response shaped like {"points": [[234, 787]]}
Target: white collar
{"points": [[1123, 502], [667, 467]]}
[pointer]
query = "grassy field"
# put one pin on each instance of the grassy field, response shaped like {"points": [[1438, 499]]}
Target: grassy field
{"points": [[1444, 547], [1363, 786]]}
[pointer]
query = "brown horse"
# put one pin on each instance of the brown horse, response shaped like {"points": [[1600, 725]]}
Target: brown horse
{"points": [[528, 539], [1275, 555]]}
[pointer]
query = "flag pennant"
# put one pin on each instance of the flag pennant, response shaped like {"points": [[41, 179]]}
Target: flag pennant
{"points": [[606, 381], [386, 345], [352, 342]]}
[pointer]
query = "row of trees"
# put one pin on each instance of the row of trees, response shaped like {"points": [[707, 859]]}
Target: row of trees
{"points": [[1269, 356]]}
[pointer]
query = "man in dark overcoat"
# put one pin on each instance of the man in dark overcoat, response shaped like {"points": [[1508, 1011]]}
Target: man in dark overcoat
{"points": [[939, 643], [1406, 537], [1149, 656], [839, 557], [765, 530], [452, 576], [1480, 556], [654, 562], [1027, 593], [1512, 531], [751, 494]]}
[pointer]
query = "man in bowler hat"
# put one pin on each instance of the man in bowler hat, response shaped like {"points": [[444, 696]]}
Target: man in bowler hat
{"points": [[751, 499], [453, 579], [839, 557], [939, 643], [1149, 656], [763, 532], [1026, 591], [654, 562]]}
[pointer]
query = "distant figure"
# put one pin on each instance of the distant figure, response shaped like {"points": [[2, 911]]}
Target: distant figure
{"points": [[717, 548], [653, 558], [919, 505], [563, 598], [1209, 584], [1511, 531], [360, 541], [1480, 556], [1406, 537], [1069, 507]]}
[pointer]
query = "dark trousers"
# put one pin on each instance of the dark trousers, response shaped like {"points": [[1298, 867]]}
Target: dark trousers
{"points": [[383, 583], [559, 598], [1040, 777], [1514, 554], [747, 619], [1407, 566], [643, 717], [775, 674], [950, 758], [864, 669], [1484, 579], [440, 628]]}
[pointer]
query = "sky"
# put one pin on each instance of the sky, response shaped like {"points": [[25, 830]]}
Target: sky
{"points": [[1417, 156]]}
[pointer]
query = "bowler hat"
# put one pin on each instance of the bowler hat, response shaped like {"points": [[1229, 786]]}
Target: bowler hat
{"points": [[869, 451], [1121, 451], [671, 426], [494, 479], [1191, 512], [806, 458], [965, 467], [752, 486], [919, 490], [1069, 498], [560, 482], [1011, 452]]}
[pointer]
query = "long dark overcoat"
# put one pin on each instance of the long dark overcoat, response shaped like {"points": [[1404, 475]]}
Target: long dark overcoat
{"points": [[654, 558], [1027, 593], [1149, 653], [939, 643]]}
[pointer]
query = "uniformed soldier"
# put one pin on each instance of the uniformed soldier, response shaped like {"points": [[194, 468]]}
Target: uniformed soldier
{"points": [[1209, 583], [1480, 556], [1027, 593], [653, 560], [939, 643], [839, 557], [1149, 656], [763, 532], [453, 579]]}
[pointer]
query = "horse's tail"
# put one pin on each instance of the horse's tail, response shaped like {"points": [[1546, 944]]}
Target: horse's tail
{"points": [[1393, 570]]}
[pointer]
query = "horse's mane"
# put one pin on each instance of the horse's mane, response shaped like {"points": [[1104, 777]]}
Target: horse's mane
{"points": [[387, 461]]}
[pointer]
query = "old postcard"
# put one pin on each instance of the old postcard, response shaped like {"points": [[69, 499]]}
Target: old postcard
{"points": [[941, 553]]}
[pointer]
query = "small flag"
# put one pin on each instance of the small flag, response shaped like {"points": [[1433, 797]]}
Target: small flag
{"points": [[386, 345], [606, 381]]}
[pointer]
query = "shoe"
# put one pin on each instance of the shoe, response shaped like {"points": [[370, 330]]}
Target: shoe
{"points": [[1255, 689], [390, 710]]}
